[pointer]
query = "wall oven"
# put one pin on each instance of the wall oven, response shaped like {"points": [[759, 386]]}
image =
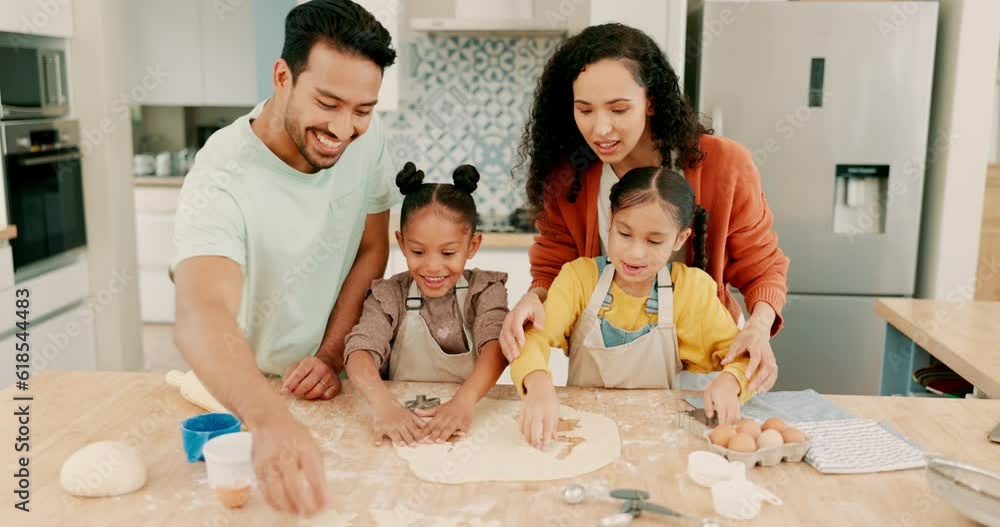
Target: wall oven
{"points": [[42, 167]]}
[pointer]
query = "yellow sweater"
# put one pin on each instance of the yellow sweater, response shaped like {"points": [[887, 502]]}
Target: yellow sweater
{"points": [[705, 329]]}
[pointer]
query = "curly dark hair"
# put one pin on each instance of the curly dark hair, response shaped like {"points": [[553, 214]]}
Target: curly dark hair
{"points": [[551, 136]]}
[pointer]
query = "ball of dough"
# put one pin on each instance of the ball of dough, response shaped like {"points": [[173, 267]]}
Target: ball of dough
{"points": [[770, 439], [722, 434], [793, 435], [105, 468], [773, 424], [749, 427], [742, 443]]}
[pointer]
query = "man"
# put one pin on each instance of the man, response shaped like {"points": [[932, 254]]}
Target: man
{"points": [[281, 228]]}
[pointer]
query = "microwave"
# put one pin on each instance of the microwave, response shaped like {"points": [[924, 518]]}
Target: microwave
{"points": [[35, 85]]}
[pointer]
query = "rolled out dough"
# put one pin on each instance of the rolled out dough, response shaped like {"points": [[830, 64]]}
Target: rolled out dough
{"points": [[495, 450]]}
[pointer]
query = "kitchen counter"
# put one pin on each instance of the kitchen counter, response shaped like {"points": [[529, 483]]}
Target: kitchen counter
{"points": [[71, 409], [508, 240], [158, 181], [961, 335]]}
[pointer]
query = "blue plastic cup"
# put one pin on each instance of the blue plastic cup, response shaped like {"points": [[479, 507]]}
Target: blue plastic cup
{"points": [[197, 430]]}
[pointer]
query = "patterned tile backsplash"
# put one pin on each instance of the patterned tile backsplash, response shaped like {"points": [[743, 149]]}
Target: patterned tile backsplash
{"points": [[465, 100]]}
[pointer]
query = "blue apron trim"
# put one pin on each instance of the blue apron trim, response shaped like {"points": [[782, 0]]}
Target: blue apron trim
{"points": [[613, 335]]}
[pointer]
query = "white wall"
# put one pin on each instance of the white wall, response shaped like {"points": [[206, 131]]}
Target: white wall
{"points": [[959, 147], [98, 82]]}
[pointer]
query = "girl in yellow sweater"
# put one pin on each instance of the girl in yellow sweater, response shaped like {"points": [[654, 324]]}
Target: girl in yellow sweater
{"points": [[634, 319]]}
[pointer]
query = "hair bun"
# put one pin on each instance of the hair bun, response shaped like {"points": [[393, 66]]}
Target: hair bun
{"points": [[409, 179], [466, 178]]}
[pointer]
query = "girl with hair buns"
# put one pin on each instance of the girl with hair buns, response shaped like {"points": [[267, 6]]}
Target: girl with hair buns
{"points": [[437, 322]]}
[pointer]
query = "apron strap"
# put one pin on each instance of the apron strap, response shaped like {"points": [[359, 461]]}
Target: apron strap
{"points": [[602, 287], [415, 301], [665, 298]]}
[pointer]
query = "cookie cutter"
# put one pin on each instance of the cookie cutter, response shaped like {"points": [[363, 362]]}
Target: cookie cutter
{"points": [[422, 402]]}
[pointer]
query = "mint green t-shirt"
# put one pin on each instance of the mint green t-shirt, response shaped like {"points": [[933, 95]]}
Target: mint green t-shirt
{"points": [[294, 235]]}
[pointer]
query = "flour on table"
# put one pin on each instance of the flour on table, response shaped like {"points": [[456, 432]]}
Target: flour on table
{"points": [[330, 518], [391, 518], [495, 450]]}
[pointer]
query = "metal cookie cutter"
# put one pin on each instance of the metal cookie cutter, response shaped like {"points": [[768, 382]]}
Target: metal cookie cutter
{"points": [[422, 402]]}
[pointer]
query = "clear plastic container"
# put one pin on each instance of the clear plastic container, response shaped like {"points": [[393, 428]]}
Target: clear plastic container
{"points": [[229, 463]]}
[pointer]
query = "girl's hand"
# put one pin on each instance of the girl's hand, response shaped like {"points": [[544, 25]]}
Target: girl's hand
{"points": [[450, 418], [394, 421], [755, 340], [528, 309], [540, 413], [723, 397]]}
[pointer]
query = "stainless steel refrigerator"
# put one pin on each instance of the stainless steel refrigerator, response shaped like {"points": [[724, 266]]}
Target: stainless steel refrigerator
{"points": [[833, 101]]}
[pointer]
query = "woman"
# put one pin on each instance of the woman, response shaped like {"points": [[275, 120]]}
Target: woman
{"points": [[607, 102]]}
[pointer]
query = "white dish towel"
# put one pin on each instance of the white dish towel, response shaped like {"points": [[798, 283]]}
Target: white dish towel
{"points": [[857, 446]]}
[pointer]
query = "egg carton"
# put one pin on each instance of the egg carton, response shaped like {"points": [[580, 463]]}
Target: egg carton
{"points": [[765, 457]]}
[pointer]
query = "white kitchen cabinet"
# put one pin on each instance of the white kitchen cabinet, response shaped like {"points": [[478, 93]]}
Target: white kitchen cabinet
{"points": [[52, 18], [157, 296], [155, 208], [228, 59], [664, 20], [165, 51], [193, 53], [65, 341]]}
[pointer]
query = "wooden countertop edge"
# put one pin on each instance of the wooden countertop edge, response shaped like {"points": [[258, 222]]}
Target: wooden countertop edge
{"points": [[508, 240], [8, 233], [885, 309], [158, 181]]}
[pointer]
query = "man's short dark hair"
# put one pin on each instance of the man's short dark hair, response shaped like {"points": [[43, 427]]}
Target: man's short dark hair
{"points": [[342, 24]]}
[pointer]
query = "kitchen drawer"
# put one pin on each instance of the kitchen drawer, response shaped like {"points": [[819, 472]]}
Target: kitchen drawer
{"points": [[50, 292], [155, 240], [6, 265], [156, 296], [66, 341], [514, 262], [156, 200]]}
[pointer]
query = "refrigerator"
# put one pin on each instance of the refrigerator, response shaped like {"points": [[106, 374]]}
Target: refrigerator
{"points": [[833, 101]]}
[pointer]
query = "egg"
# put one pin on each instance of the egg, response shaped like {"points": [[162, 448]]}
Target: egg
{"points": [[770, 439], [742, 443], [749, 427], [773, 424], [722, 434], [793, 435]]}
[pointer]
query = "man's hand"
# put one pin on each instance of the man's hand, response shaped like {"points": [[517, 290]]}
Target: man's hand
{"points": [[289, 466], [311, 378]]}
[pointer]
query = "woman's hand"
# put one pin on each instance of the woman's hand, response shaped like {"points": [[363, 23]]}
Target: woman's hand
{"points": [[528, 309], [541, 410], [723, 397], [454, 416], [394, 421], [755, 340]]}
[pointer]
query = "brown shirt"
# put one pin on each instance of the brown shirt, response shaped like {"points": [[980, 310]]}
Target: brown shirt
{"points": [[385, 306]]}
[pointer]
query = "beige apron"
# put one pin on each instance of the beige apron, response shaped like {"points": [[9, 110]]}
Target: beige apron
{"points": [[416, 356], [650, 361]]}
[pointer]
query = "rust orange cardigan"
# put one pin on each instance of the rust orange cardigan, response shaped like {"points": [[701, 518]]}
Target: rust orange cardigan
{"points": [[742, 248]]}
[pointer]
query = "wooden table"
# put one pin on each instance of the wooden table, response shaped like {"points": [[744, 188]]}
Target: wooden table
{"points": [[73, 409], [963, 336]]}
